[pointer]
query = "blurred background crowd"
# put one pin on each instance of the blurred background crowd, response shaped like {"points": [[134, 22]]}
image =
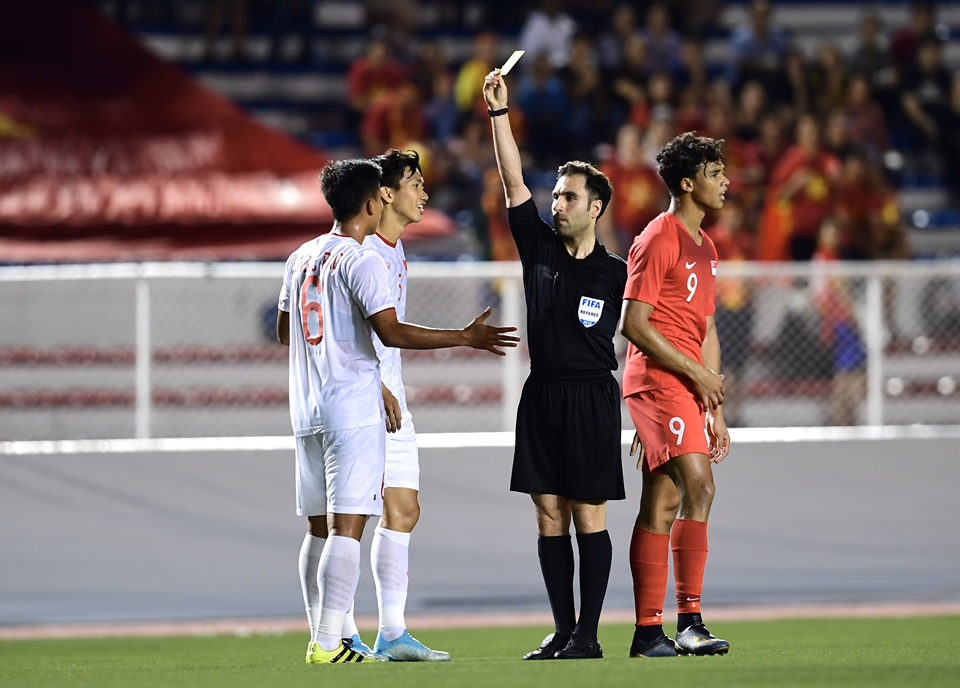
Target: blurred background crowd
{"points": [[827, 120]]}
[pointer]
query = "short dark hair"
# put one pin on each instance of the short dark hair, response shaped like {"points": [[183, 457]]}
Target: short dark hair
{"points": [[348, 184], [686, 155], [598, 185], [395, 164]]}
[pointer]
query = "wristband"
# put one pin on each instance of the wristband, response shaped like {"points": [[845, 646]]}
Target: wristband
{"points": [[497, 113]]}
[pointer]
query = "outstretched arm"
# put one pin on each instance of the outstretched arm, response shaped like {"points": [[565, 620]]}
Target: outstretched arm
{"points": [[406, 336], [504, 145]]}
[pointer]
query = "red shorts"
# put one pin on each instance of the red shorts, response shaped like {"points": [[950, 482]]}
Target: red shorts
{"points": [[670, 423]]}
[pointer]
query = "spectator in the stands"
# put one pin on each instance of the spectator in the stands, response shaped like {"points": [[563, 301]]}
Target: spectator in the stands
{"points": [[799, 197], [611, 43], [871, 57], [720, 93], [865, 119], [474, 149], [795, 88], [628, 83], [837, 136], [657, 135], [770, 144], [549, 30], [951, 140], [292, 16], [693, 70], [663, 43], [751, 107], [828, 79], [395, 121], [839, 331], [757, 49], [589, 116], [469, 85], [639, 195], [734, 302], [541, 96], [742, 165], [493, 226], [926, 89], [867, 213], [433, 78], [905, 43], [239, 17], [371, 77], [659, 103]]}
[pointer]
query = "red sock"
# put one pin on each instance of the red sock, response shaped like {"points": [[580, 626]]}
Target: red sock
{"points": [[649, 560], [689, 560]]}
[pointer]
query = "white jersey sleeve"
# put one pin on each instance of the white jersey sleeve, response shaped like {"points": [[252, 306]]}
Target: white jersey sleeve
{"points": [[367, 282], [287, 288], [393, 257]]}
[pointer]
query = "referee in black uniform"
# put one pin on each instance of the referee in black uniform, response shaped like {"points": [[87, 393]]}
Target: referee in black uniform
{"points": [[567, 453]]}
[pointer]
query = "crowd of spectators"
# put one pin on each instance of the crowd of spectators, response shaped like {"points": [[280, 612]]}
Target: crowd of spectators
{"points": [[806, 136]]}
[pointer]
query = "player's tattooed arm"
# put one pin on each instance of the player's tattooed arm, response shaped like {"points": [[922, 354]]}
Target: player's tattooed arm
{"points": [[504, 145], [392, 407], [477, 334], [283, 327], [645, 336]]}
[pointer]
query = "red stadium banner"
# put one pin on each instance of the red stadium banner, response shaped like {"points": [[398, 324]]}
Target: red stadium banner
{"points": [[109, 153]]}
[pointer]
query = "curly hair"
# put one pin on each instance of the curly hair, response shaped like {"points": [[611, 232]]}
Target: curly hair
{"points": [[686, 155], [348, 184], [395, 164], [598, 185]]}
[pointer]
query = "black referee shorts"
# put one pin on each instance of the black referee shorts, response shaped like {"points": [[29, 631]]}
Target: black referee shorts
{"points": [[568, 438]]}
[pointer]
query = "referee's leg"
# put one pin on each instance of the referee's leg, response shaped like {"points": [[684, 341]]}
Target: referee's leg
{"points": [[555, 551]]}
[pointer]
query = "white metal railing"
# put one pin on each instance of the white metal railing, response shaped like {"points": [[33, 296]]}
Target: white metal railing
{"points": [[872, 305]]}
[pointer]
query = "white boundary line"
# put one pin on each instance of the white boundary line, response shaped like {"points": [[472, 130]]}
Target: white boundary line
{"points": [[276, 626], [460, 440]]}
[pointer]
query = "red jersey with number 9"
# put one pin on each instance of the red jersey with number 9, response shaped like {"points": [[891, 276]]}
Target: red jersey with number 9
{"points": [[667, 269]]}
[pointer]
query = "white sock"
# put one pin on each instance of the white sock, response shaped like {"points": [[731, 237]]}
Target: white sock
{"points": [[389, 557], [309, 565], [339, 575], [350, 623]]}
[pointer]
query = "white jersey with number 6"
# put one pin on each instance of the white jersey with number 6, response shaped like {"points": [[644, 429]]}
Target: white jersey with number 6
{"points": [[331, 285], [390, 368]]}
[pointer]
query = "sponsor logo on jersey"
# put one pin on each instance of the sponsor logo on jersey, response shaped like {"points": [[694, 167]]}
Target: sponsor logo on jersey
{"points": [[690, 265], [589, 311]]}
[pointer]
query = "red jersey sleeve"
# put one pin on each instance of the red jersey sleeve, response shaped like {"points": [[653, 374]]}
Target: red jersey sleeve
{"points": [[654, 252], [709, 306]]}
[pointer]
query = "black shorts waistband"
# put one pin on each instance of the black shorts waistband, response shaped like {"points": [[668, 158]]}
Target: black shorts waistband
{"points": [[587, 377]]}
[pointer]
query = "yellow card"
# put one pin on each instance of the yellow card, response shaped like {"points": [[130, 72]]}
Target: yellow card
{"points": [[508, 65]]}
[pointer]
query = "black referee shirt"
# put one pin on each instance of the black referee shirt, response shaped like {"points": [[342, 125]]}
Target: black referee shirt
{"points": [[573, 305]]}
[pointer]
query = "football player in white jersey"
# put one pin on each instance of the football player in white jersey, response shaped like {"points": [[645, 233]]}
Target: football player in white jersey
{"points": [[337, 291], [404, 199]]}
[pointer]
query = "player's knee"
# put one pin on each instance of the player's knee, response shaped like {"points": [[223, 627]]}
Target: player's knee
{"points": [[700, 493]]}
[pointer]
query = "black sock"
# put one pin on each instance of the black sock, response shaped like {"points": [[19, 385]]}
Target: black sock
{"points": [[596, 556], [556, 565], [647, 634], [685, 621]]}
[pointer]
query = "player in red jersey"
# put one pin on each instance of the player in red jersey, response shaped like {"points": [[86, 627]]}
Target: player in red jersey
{"points": [[674, 392]]}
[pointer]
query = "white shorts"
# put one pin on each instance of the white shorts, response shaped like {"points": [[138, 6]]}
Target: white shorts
{"points": [[403, 458], [341, 472]]}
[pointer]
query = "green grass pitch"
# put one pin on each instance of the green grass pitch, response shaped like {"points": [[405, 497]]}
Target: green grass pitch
{"points": [[847, 652]]}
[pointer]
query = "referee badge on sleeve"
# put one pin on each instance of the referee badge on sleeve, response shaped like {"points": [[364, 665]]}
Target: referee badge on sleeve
{"points": [[589, 311]]}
